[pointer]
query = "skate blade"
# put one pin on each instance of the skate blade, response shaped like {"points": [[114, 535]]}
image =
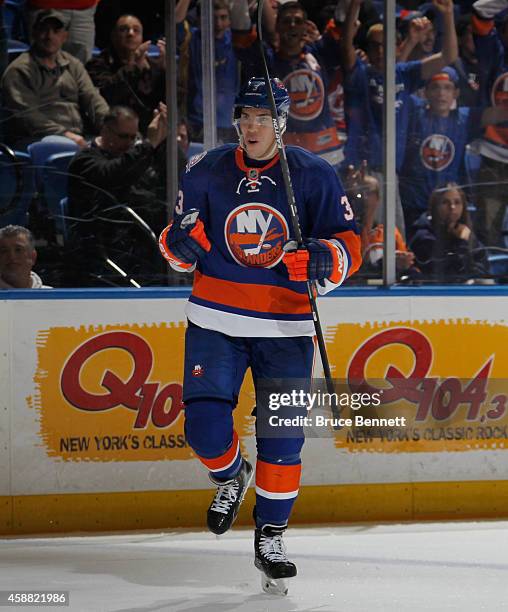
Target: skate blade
{"points": [[274, 586]]}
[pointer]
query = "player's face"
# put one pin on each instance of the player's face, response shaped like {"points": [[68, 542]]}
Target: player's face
{"points": [[257, 131], [441, 96], [450, 207], [17, 258]]}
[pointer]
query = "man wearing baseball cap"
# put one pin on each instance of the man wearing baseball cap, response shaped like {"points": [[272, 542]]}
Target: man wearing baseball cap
{"points": [[80, 23], [436, 142], [47, 91]]}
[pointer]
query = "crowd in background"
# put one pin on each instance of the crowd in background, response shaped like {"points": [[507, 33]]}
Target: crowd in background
{"points": [[83, 127]]}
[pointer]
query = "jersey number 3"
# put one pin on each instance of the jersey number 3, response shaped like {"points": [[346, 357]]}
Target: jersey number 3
{"points": [[348, 211], [179, 203]]}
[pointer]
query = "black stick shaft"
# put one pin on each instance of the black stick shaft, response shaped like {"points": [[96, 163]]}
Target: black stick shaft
{"points": [[295, 221]]}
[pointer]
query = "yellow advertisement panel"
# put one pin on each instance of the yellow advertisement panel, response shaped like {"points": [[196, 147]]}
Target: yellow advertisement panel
{"points": [[114, 393], [443, 382]]}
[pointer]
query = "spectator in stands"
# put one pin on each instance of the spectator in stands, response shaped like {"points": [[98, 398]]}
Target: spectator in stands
{"points": [[117, 169], [48, 91], [364, 194], [226, 65], [305, 70], [467, 65], [80, 15], [418, 37], [151, 14], [364, 90], [125, 74], [493, 146], [364, 85], [445, 246], [437, 135], [17, 258], [183, 135]]}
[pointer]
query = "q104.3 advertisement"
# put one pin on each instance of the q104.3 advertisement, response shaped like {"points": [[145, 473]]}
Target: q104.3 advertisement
{"points": [[114, 392]]}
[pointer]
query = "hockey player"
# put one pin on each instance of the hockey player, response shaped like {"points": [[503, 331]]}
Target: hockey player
{"points": [[249, 306]]}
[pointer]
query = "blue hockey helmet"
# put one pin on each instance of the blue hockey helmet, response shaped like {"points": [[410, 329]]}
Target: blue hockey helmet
{"points": [[254, 95]]}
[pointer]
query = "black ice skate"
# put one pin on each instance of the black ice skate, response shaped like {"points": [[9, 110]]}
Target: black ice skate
{"points": [[226, 503], [271, 559]]}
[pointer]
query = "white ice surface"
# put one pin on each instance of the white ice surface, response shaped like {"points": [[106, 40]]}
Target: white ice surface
{"points": [[402, 568]]}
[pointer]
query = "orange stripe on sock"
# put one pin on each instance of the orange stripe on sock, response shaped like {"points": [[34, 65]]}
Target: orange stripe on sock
{"points": [[277, 478], [220, 463]]}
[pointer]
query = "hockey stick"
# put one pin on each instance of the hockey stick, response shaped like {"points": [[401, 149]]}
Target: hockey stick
{"points": [[295, 221]]}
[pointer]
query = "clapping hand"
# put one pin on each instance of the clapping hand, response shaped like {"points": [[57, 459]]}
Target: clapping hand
{"points": [[141, 56], [158, 128]]}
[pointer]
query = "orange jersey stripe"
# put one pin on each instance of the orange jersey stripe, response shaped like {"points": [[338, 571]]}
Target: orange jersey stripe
{"points": [[333, 30], [481, 26], [337, 267], [354, 246], [498, 135], [260, 298], [244, 40], [222, 462], [277, 478], [377, 235]]}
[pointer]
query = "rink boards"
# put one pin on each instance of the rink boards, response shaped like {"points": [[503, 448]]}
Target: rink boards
{"points": [[91, 422]]}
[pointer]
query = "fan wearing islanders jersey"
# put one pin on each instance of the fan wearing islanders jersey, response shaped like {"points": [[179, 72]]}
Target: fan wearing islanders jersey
{"points": [[249, 305], [493, 146], [309, 71], [437, 136]]}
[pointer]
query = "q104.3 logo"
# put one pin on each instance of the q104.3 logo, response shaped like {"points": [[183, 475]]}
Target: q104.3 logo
{"points": [[255, 234]]}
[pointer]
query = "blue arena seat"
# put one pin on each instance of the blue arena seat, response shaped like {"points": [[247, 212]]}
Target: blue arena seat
{"points": [[54, 181], [15, 29], [14, 21], [42, 150], [498, 264]]}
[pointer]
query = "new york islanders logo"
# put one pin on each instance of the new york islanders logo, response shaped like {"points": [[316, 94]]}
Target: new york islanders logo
{"points": [[255, 234], [437, 152], [307, 93]]}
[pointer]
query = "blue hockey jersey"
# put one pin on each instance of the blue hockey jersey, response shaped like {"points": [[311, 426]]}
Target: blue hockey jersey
{"points": [[435, 152], [364, 100], [307, 78], [493, 69], [241, 287]]}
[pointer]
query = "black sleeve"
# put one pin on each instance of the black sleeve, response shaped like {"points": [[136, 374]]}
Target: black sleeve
{"points": [[114, 86], [111, 173], [422, 246]]}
